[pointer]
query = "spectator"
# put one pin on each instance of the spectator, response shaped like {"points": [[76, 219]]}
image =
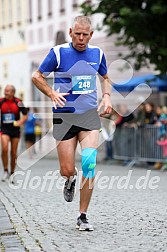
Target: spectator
{"points": [[139, 121], [150, 118], [124, 117], [163, 120], [29, 132], [149, 114], [158, 112], [161, 123], [38, 130]]}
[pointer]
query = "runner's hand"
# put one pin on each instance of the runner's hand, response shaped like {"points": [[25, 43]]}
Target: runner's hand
{"points": [[106, 104], [58, 99], [16, 124]]}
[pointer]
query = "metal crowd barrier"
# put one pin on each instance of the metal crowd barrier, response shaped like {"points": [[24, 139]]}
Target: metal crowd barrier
{"points": [[138, 144]]}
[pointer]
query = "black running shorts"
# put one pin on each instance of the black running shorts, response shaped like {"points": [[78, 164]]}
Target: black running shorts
{"points": [[12, 132], [68, 125], [30, 138]]}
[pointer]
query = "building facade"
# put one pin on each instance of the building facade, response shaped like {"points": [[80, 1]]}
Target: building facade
{"points": [[14, 63], [29, 28]]}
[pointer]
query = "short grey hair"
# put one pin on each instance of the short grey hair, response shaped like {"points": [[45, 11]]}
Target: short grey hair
{"points": [[12, 87], [82, 20]]}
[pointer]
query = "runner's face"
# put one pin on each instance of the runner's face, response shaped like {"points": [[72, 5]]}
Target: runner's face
{"points": [[9, 94], [80, 34]]}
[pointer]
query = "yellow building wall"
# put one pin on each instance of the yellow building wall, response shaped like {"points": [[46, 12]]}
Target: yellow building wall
{"points": [[13, 21]]}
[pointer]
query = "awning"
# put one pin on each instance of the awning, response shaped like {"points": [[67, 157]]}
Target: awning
{"points": [[156, 82]]}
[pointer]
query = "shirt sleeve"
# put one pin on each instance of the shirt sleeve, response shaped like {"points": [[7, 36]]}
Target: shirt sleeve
{"points": [[102, 68], [22, 108], [49, 63]]}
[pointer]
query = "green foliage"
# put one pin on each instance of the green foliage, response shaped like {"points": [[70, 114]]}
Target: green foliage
{"points": [[140, 25]]}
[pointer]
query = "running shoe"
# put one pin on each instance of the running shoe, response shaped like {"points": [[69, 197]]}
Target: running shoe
{"points": [[83, 224], [5, 176], [11, 179], [69, 189]]}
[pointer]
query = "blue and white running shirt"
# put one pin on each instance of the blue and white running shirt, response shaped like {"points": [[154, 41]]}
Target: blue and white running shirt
{"points": [[75, 73]]}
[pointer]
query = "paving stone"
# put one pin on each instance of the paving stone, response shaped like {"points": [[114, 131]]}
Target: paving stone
{"points": [[125, 220], [9, 241]]}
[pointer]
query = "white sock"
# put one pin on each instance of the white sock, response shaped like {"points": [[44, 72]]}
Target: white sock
{"points": [[72, 178]]}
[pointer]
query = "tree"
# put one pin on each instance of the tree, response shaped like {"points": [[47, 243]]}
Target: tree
{"points": [[139, 25]]}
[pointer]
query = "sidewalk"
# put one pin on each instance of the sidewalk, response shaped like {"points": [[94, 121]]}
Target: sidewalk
{"points": [[125, 219], [9, 240]]}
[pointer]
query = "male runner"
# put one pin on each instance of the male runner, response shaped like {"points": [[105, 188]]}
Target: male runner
{"points": [[75, 113], [10, 128]]}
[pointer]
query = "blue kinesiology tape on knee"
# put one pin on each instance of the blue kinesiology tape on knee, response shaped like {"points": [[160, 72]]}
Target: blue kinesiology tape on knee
{"points": [[89, 162]]}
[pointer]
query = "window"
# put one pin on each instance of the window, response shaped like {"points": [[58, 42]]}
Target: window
{"points": [[19, 12], [75, 4], [30, 11], [5, 70], [3, 14], [49, 8], [88, 2], [62, 6], [39, 9], [10, 13], [60, 38]]}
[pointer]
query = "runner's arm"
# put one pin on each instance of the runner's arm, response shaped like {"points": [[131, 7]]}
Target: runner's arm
{"points": [[39, 81], [21, 121], [106, 96]]}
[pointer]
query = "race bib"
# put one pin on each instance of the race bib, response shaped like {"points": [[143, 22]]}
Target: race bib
{"points": [[83, 84], [8, 118]]}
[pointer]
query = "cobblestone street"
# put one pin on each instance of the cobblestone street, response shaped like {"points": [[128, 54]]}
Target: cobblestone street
{"points": [[34, 216]]}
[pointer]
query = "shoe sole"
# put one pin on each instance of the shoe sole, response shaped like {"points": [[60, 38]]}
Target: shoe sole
{"points": [[73, 197], [4, 180], [84, 229]]}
